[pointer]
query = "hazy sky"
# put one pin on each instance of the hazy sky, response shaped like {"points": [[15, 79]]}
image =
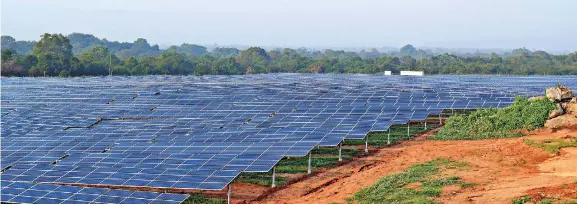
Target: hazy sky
{"points": [[536, 24]]}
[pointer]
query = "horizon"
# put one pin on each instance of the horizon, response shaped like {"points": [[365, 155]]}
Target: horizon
{"points": [[381, 49], [320, 24]]}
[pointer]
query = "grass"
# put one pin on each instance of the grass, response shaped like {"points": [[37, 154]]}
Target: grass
{"points": [[200, 199], [521, 200], [545, 201], [468, 185], [497, 123], [552, 145], [398, 133], [392, 188], [264, 179]]}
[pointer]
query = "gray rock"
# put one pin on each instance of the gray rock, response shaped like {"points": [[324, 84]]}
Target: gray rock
{"points": [[559, 93]]}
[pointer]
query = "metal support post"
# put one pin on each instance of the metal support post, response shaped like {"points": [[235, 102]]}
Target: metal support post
{"points": [[367, 143], [228, 194], [310, 168], [273, 176], [440, 119], [389, 137], [408, 130], [425, 124], [340, 152]]}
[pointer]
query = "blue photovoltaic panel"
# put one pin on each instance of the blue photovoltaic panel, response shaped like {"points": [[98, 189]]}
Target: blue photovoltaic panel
{"points": [[22, 192], [201, 132]]}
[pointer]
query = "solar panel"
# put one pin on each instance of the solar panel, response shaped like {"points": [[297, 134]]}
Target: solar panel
{"points": [[190, 132]]}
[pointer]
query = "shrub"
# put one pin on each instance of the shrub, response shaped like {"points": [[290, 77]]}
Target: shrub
{"points": [[497, 123]]}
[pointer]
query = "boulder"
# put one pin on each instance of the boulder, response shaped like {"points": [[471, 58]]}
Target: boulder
{"points": [[564, 121], [557, 112], [570, 107], [559, 93]]}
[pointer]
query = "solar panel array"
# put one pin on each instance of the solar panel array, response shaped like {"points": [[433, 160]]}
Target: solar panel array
{"points": [[194, 132]]}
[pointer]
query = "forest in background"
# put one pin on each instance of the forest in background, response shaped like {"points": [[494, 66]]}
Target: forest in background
{"points": [[80, 54]]}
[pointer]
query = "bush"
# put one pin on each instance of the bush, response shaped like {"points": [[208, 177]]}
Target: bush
{"points": [[497, 123]]}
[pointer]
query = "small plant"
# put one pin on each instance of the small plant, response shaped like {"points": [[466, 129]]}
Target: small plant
{"points": [[545, 201], [468, 185], [521, 200], [349, 200]]}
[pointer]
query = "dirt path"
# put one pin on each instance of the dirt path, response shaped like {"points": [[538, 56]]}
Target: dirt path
{"points": [[503, 168]]}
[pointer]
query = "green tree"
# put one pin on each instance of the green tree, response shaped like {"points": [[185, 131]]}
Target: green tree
{"points": [[174, 63], [254, 59], [225, 52], [191, 49], [54, 54], [408, 50], [98, 61]]}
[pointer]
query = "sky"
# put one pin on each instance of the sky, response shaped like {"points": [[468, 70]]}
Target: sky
{"points": [[535, 24]]}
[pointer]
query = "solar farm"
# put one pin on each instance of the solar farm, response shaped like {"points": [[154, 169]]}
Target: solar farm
{"points": [[79, 140]]}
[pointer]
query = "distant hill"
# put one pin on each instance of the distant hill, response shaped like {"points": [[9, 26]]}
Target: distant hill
{"points": [[141, 47]]}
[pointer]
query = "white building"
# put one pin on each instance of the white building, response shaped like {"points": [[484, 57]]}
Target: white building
{"points": [[412, 73]]}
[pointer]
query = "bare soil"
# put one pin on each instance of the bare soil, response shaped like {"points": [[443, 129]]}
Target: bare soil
{"points": [[503, 169]]}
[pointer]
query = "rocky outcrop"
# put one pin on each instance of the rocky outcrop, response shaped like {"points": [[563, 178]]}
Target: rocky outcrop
{"points": [[565, 115], [557, 112], [559, 93]]}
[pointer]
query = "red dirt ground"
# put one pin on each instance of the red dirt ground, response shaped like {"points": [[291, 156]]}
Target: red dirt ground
{"points": [[503, 169], [554, 192]]}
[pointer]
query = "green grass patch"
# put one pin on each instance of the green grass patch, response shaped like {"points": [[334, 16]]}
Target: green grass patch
{"points": [[200, 199], [552, 145], [391, 189], [264, 179], [468, 185], [497, 123], [545, 201], [324, 157], [398, 133], [521, 200]]}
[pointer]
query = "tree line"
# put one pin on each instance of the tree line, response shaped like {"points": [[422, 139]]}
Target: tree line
{"points": [[85, 55]]}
